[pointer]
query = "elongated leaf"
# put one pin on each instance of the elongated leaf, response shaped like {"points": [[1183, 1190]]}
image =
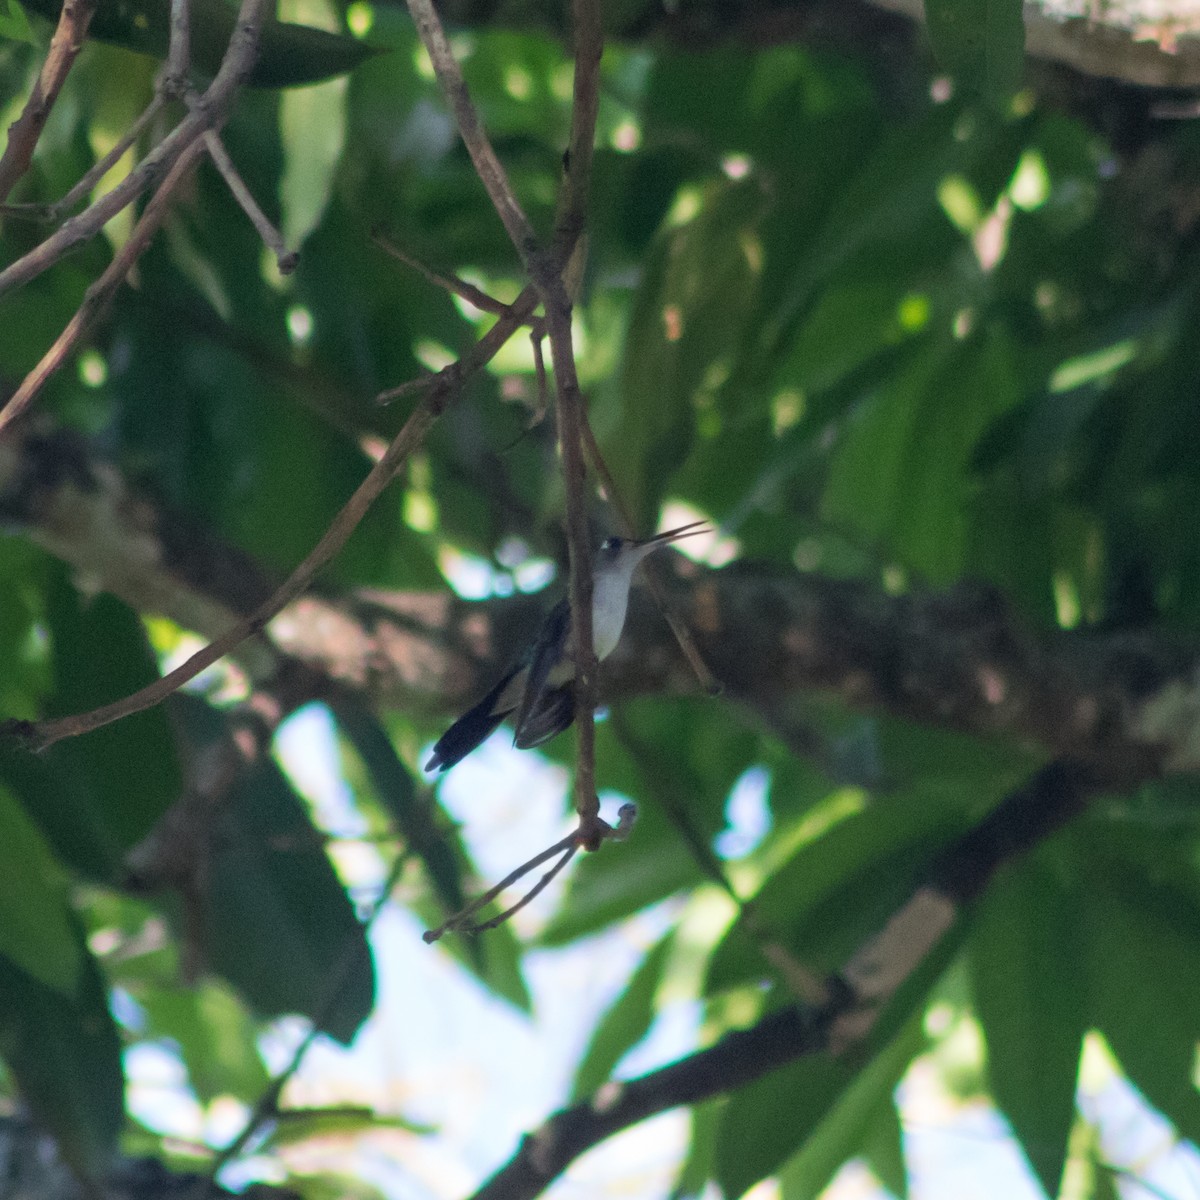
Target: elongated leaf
{"points": [[312, 126], [819, 1110], [410, 806], [279, 925], [288, 54], [624, 1024], [698, 289], [37, 932], [1025, 960], [903, 472], [851, 1124], [65, 1055], [981, 42], [1144, 954], [122, 777], [884, 1149]]}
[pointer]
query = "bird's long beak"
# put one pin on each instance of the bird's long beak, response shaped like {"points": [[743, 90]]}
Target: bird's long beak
{"points": [[672, 535]]}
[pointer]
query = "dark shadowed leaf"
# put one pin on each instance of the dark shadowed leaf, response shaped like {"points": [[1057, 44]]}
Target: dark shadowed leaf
{"points": [[1144, 951], [289, 54], [65, 1055], [980, 42], [278, 923], [124, 775], [410, 806]]}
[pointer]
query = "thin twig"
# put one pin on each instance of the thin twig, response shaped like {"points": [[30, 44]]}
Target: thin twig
{"points": [[210, 112], [487, 166], [285, 259], [461, 920], [568, 403], [683, 635], [573, 199], [99, 294], [179, 54], [446, 384], [484, 350], [99, 169], [535, 891], [24, 132], [589, 836], [449, 283]]}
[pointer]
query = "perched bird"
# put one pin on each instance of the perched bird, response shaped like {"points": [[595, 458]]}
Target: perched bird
{"points": [[539, 688]]}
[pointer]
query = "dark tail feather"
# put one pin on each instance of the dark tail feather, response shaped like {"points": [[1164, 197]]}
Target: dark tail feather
{"points": [[469, 730]]}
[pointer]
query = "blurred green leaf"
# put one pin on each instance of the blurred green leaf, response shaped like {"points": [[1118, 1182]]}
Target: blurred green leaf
{"points": [[295, 1126], [215, 1035], [1025, 961], [312, 127], [853, 1122], [36, 929], [278, 924], [65, 1055], [902, 472], [410, 806], [624, 1024], [816, 1112], [1143, 949], [981, 42], [697, 290], [884, 1148], [125, 775], [288, 55]]}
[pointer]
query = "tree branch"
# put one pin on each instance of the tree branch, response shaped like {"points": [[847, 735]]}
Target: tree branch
{"points": [[210, 111], [447, 383], [24, 132], [1126, 702], [869, 980]]}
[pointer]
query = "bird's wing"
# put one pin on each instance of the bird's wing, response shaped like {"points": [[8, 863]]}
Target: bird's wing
{"points": [[553, 712], [548, 652]]}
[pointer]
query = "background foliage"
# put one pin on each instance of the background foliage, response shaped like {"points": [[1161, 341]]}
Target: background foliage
{"points": [[877, 322]]}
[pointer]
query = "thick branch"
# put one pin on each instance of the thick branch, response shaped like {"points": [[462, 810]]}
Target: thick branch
{"points": [[1128, 703], [866, 984]]}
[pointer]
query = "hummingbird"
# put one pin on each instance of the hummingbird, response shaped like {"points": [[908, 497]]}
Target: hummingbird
{"points": [[538, 689]]}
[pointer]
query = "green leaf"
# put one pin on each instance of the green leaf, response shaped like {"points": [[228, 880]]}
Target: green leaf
{"points": [[410, 806], [980, 42], [1144, 954], [1025, 961], [814, 1113], [127, 774], [697, 290], [697, 1168], [216, 1037], [763, 1124], [36, 929], [65, 1056], [278, 923], [624, 1024], [883, 1147], [902, 473], [854, 1121], [293, 1126], [288, 55], [312, 128]]}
